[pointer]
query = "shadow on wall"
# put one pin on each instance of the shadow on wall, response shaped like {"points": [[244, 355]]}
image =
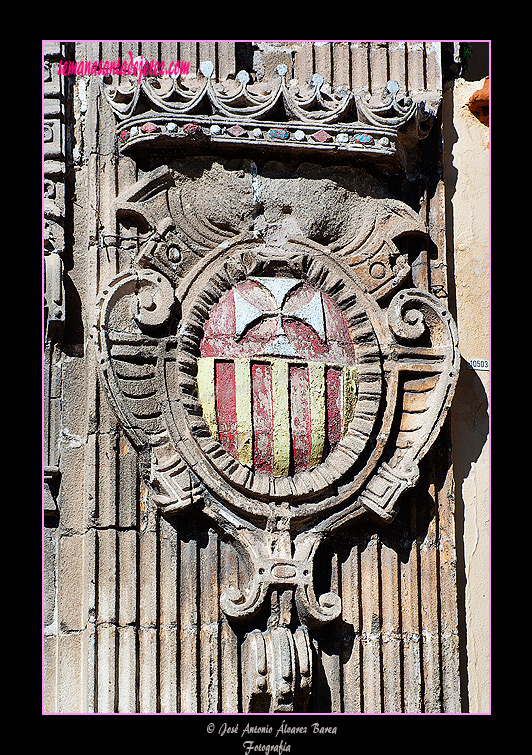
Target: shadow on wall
{"points": [[470, 430], [469, 412], [470, 415]]}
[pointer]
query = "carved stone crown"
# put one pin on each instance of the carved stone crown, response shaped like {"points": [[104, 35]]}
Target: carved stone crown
{"points": [[282, 115]]}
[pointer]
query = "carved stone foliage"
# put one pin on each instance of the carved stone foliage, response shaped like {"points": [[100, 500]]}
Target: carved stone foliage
{"points": [[271, 360]]}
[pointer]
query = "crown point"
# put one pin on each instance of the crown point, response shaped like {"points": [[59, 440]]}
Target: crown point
{"points": [[207, 68], [282, 69], [392, 87]]}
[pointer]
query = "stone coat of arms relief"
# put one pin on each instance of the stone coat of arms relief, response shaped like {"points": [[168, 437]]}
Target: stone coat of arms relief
{"points": [[271, 360]]}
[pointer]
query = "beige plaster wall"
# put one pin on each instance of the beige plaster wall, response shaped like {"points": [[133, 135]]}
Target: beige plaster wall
{"points": [[467, 181]]}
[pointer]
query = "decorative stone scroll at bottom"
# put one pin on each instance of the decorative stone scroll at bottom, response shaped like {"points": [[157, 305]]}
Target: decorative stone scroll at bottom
{"points": [[278, 670], [277, 663]]}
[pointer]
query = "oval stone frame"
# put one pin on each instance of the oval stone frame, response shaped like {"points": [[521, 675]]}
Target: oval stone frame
{"points": [[238, 485]]}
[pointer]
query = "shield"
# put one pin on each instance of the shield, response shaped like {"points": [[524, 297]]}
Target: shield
{"points": [[277, 376]]}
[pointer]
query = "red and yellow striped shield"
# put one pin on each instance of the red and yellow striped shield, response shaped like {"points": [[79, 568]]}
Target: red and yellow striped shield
{"points": [[277, 375]]}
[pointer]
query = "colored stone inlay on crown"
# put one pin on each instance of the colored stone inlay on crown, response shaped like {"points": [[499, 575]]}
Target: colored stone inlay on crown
{"points": [[321, 136], [363, 139], [149, 128], [236, 130], [191, 128], [278, 133], [281, 134]]}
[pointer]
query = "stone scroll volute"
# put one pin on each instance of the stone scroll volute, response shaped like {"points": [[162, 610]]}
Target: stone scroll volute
{"points": [[278, 371]]}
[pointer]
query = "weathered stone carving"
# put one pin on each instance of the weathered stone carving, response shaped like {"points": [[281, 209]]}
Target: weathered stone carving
{"points": [[273, 364], [160, 111], [54, 169]]}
